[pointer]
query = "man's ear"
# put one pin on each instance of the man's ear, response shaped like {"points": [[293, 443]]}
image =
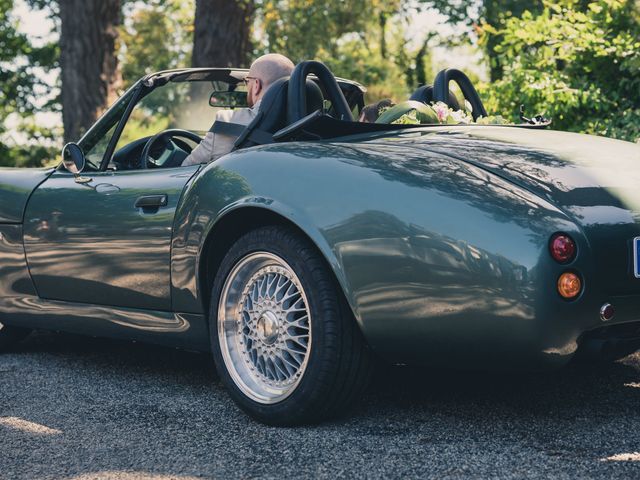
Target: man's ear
{"points": [[257, 87]]}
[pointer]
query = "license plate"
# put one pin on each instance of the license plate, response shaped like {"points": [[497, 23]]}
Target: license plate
{"points": [[636, 257]]}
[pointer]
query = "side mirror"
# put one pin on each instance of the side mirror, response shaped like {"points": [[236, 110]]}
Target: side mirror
{"points": [[73, 158], [74, 161]]}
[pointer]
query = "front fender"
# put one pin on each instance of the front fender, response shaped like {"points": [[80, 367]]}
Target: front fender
{"points": [[16, 186]]}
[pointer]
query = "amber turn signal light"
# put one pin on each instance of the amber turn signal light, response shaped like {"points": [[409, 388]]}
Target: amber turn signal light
{"points": [[569, 285], [562, 248]]}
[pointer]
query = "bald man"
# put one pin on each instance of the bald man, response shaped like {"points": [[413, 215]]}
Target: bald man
{"points": [[263, 72]]}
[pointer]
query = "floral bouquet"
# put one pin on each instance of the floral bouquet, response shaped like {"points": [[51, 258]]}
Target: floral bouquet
{"points": [[412, 112]]}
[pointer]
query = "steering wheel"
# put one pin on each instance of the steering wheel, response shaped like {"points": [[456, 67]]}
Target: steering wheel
{"points": [[441, 90], [165, 136]]}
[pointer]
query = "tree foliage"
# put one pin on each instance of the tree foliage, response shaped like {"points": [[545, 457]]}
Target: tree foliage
{"points": [[21, 90], [306, 28], [478, 14], [361, 39], [157, 35], [580, 66]]}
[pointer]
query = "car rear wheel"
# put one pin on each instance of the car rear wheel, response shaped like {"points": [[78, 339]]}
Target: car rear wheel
{"points": [[10, 336], [284, 340]]}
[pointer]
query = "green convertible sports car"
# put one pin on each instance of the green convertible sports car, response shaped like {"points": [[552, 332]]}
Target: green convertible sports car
{"points": [[319, 241]]}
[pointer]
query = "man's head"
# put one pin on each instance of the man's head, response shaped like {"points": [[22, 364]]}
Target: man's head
{"points": [[263, 72]]}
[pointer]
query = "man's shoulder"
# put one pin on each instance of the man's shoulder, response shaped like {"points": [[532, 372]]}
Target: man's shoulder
{"points": [[242, 116], [225, 115]]}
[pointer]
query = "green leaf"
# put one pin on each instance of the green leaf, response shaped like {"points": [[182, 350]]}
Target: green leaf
{"points": [[424, 113]]}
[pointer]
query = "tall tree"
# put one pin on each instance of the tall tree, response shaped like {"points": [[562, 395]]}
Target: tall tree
{"points": [[222, 33], [88, 61]]}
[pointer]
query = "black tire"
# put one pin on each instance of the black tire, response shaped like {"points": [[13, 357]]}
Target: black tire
{"points": [[11, 336], [339, 362]]}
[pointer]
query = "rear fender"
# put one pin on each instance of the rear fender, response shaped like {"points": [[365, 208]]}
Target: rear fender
{"points": [[215, 197], [435, 256]]}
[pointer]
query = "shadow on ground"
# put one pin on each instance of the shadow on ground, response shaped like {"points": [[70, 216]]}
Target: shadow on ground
{"points": [[74, 407]]}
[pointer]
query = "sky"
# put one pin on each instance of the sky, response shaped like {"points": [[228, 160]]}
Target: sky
{"points": [[34, 23]]}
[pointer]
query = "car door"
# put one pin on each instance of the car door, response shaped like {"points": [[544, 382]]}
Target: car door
{"points": [[105, 241]]}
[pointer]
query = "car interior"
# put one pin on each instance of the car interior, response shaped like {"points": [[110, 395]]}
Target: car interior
{"points": [[321, 95], [311, 104]]}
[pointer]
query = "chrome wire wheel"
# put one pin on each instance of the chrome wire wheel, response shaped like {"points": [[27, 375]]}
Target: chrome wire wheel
{"points": [[264, 327]]}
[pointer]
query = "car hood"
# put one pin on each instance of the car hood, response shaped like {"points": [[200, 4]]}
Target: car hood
{"points": [[16, 185]]}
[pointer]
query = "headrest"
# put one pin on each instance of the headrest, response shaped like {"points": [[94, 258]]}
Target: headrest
{"points": [[274, 104], [424, 94], [272, 113]]}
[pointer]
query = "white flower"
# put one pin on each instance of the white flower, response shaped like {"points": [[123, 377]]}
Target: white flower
{"points": [[459, 116], [449, 116], [442, 110]]}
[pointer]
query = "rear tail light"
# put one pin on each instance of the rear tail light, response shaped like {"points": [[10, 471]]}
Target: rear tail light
{"points": [[569, 285], [562, 248]]}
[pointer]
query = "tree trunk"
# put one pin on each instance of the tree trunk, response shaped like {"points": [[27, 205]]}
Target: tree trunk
{"points": [[382, 20], [222, 30], [89, 66]]}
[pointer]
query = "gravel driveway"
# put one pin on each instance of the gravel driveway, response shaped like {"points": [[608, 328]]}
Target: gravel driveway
{"points": [[82, 408]]}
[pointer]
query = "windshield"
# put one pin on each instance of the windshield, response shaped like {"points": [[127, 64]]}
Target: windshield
{"points": [[182, 103]]}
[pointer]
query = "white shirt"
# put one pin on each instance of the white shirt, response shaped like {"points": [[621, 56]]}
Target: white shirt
{"points": [[215, 145]]}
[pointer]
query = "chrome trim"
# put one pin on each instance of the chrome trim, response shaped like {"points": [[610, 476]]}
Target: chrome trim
{"points": [[602, 312]]}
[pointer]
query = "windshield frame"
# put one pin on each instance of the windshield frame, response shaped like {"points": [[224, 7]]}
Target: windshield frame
{"points": [[114, 115]]}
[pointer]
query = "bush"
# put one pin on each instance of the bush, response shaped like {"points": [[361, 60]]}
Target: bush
{"points": [[576, 63]]}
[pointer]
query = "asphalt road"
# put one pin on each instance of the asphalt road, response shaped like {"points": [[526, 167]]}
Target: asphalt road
{"points": [[78, 408]]}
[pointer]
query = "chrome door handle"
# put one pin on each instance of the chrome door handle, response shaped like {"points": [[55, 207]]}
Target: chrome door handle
{"points": [[152, 201]]}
